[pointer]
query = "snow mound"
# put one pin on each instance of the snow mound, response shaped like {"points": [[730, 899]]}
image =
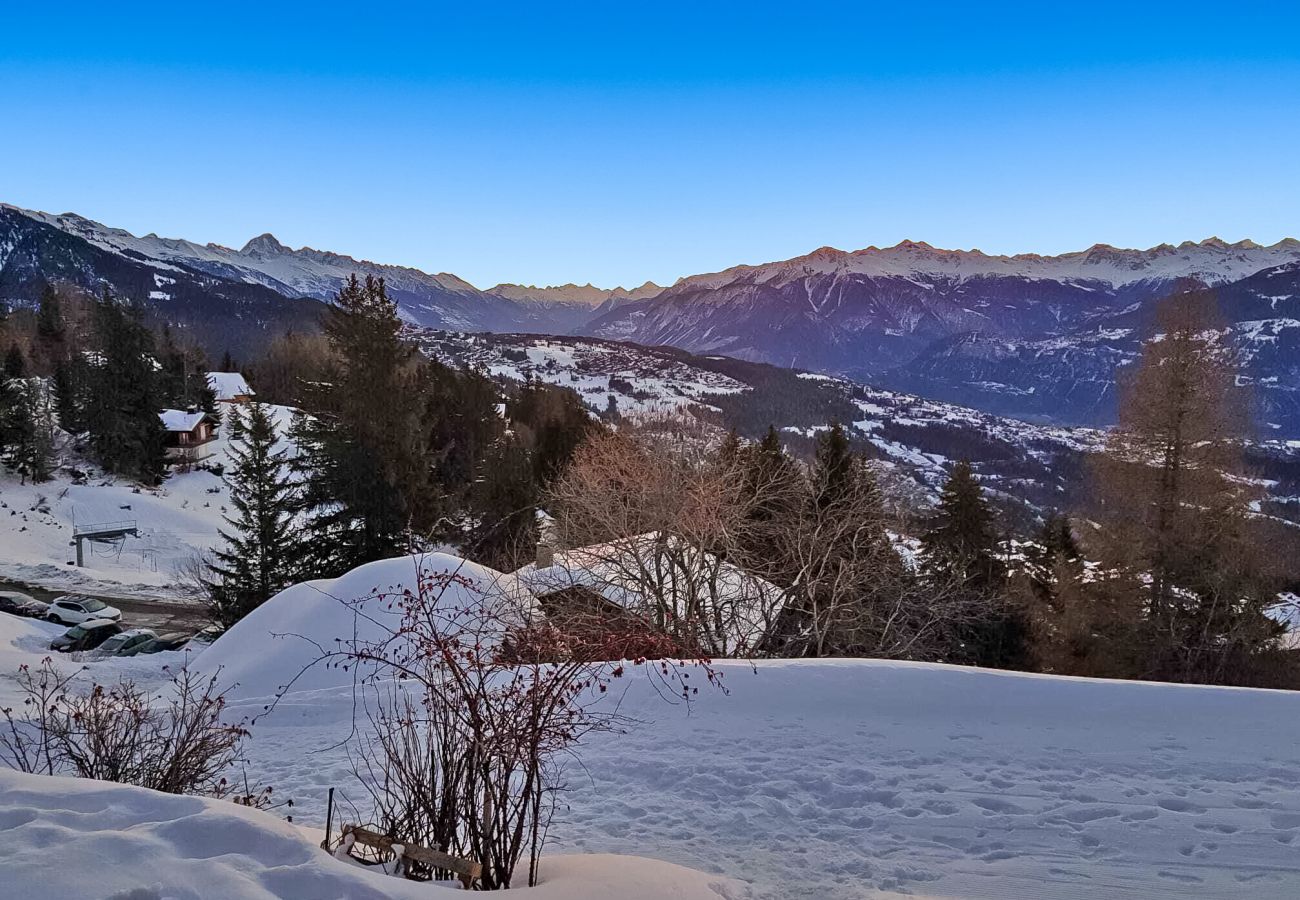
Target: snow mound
{"points": [[74, 839], [272, 650], [229, 386]]}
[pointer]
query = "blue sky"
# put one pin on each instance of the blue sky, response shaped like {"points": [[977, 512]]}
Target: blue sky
{"points": [[618, 142]]}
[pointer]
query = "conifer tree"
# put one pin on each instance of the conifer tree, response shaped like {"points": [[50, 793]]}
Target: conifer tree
{"points": [[556, 422], [771, 492], [835, 466], [959, 553], [515, 468], [29, 429], [15, 363], [846, 568], [960, 541], [50, 327], [368, 473], [68, 384], [262, 553], [123, 397]]}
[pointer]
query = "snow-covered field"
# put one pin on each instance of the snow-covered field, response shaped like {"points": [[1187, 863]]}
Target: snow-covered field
{"points": [[594, 369], [817, 779], [176, 521], [66, 839], [852, 778]]}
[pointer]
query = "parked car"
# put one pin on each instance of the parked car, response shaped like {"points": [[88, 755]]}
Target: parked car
{"points": [[72, 609], [16, 603], [85, 636], [206, 636], [171, 641], [36, 609], [124, 643]]}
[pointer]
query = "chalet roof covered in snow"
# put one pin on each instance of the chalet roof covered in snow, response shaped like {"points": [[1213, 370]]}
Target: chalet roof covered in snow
{"points": [[180, 420], [651, 574], [229, 385]]}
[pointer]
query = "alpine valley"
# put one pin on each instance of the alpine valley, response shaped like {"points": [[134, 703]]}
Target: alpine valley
{"points": [[1037, 338]]}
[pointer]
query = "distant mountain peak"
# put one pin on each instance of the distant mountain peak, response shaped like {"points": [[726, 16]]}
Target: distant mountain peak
{"points": [[264, 245]]}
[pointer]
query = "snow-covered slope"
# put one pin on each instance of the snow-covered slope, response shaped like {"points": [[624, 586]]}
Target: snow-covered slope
{"points": [[581, 294], [439, 299], [280, 642], [819, 779], [855, 779], [1019, 335], [176, 521], [917, 437], [73, 839], [1212, 261]]}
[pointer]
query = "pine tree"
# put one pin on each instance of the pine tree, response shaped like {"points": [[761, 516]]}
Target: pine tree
{"points": [[29, 429], [262, 553], [514, 469], [69, 387], [123, 396], [368, 473], [554, 421], [959, 553], [15, 363], [771, 492], [848, 569], [729, 452], [50, 327], [835, 464], [960, 542]]}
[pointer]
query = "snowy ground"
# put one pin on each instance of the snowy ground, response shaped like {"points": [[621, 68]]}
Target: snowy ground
{"points": [[854, 779], [177, 520], [66, 839]]}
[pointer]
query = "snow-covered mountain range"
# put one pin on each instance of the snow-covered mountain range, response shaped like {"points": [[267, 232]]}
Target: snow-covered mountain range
{"points": [[1030, 336], [427, 299], [577, 294]]}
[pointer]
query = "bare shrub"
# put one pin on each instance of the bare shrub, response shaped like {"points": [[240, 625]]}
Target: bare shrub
{"points": [[466, 751], [177, 744]]}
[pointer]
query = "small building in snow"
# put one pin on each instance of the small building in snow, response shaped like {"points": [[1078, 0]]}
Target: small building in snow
{"points": [[663, 581], [230, 387], [190, 435]]}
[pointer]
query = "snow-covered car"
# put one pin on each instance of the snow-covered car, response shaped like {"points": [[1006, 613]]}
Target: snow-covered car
{"points": [[125, 643], [85, 636], [16, 603], [207, 636], [36, 609], [72, 609], [171, 641]]}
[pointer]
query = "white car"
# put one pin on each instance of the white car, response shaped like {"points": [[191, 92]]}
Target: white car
{"points": [[73, 610]]}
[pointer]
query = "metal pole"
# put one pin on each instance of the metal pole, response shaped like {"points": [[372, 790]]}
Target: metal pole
{"points": [[329, 818], [80, 564]]}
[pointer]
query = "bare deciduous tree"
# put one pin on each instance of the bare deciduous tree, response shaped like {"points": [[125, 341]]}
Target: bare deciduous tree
{"points": [[1175, 506]]}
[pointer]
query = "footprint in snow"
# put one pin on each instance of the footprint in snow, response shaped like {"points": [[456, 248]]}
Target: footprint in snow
{"points": [[1179, 877], [1179, 805], [1282, 821], [997, 805]]}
